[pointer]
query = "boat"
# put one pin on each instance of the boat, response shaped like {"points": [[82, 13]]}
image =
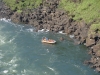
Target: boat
{"points": [[49, 41]]}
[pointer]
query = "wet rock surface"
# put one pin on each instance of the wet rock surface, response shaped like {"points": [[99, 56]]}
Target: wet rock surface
{"points": [[47, 16]]}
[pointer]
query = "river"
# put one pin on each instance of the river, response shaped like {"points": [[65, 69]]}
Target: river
{"points": [[22, 53]]}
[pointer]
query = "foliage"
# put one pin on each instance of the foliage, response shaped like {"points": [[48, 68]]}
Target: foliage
{"points": [[95, 27], [20, 5], [88, 10]]}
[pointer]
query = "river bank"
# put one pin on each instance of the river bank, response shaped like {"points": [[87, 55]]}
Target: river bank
{"points": [[47, 16]]}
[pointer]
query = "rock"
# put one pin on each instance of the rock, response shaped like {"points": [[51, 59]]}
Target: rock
{"points": [[90, 42], [86, 62], [98, 69], [35, 24], [98, 53], [25, 20], [16, 18], [31, 22], [98, 35], [77, 32], [61, 28], [49, 27], [39, 27], [61, 39], [96, 47]]}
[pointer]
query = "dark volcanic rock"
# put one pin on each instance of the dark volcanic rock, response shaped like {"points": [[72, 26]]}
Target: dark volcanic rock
{"points": [[16, 17]]}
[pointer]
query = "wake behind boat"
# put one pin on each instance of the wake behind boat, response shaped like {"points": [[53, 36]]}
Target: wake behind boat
{"points": [[46, 40]]}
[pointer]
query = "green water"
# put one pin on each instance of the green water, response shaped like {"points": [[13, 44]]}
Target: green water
{"points": [[22, 53]]}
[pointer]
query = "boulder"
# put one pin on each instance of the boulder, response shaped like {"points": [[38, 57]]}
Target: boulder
{"points": [[98, 69], [90, 42], [16, 18], [35, 23], [77, 32], [98, 53], [61, 38], [96, 47], [61, 28], [31, 22]]}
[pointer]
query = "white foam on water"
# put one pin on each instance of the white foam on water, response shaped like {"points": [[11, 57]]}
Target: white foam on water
{"points": [[71, 36], [24, 28], [10, 41], [21, 27], [9, 66], [61, 32], [14, 71], [3, 35], [13, 38], [2, 40], [52, 69], [23, 72], [13, 60], [11, 63], [39, 72], [47, 30], [5, 20], [12, 66], [47, 50], [30, 30], [42, 30], [9, 72], [5, 71], [28, 72]]}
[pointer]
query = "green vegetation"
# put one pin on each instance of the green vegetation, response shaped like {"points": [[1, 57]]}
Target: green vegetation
{"points": [[19, 5], [87, 10], [95, 27]]}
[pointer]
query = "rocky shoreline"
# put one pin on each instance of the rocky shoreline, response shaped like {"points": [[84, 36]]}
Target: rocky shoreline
{"points": [[47, 16]]}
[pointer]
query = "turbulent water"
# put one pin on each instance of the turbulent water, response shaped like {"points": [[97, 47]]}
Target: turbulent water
{"points": [[22, 53]]}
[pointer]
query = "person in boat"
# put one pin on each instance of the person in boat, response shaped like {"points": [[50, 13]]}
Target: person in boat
{"points": [[44, 38], [50, 40]]}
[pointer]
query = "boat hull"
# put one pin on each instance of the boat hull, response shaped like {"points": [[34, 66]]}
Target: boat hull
{"points": [[50, 42]]}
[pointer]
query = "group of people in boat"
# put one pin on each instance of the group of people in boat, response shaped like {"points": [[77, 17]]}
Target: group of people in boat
{"points": [[46, 39]]}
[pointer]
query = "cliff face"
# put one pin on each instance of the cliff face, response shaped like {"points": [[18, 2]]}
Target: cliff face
{"points": [[48, 16], [89, 12]]}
